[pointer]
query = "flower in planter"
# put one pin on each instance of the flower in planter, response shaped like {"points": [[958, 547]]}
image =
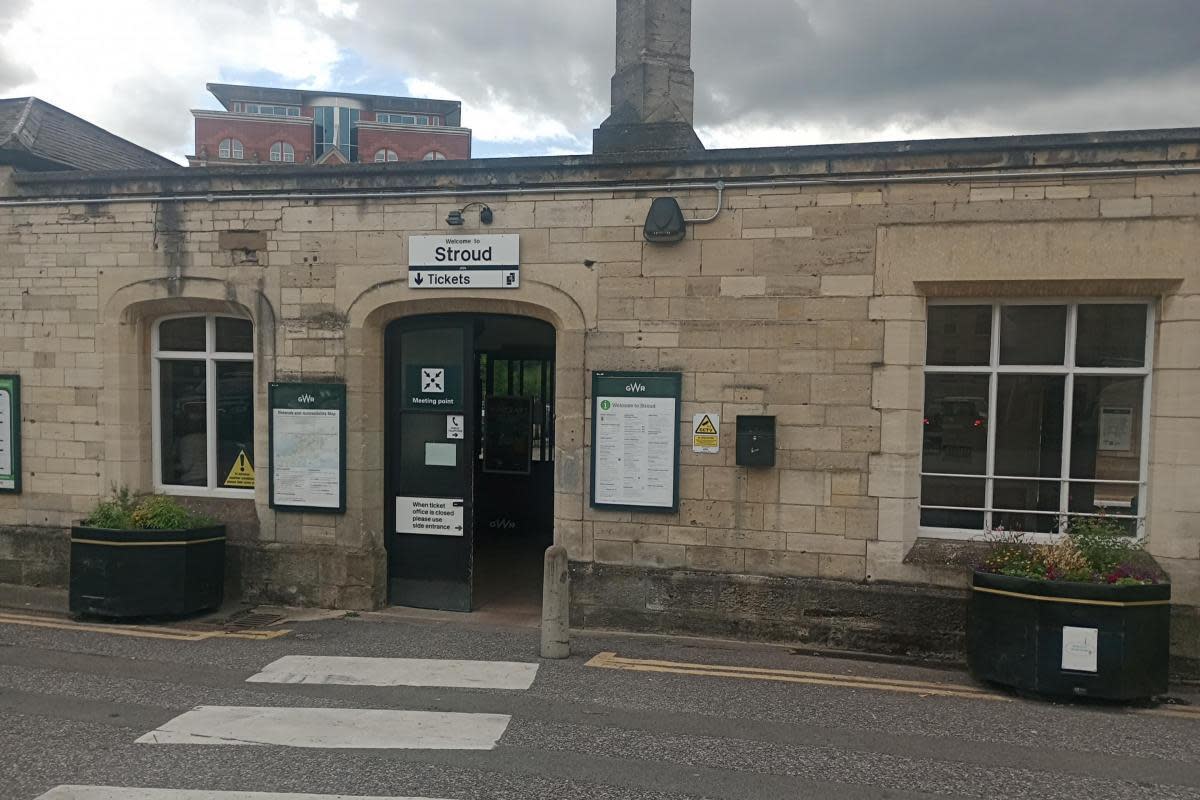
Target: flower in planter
{"points": [[1094, 550]]}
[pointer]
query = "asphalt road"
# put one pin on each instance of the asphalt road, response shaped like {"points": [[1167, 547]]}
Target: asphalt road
{"points": [[663, 718]]}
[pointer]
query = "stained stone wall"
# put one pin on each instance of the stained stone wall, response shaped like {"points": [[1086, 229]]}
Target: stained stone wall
{"points": [[802, 301]]}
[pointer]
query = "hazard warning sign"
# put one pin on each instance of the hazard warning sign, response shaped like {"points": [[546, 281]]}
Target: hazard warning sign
{"points": [[706, 433], [242, 474]]}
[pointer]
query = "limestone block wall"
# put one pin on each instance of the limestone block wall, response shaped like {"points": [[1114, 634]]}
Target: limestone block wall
{"points": [[803, 302]]}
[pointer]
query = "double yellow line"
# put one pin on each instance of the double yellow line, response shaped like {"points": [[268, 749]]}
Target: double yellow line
{"points": [[922, 688], [139, 631]]}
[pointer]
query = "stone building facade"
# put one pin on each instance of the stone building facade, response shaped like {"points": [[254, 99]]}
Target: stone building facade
{"points": [[806, 298]]}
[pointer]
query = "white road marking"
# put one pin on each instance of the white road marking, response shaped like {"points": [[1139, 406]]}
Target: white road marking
{"points": [[349, 671], [123, 793], [377, 729]]}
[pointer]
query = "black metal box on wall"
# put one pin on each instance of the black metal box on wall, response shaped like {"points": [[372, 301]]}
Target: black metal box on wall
{"points": [[755, 441]]}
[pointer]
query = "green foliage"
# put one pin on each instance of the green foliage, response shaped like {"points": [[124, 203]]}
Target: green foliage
{"points": [[125, 510], [1094, 549]]}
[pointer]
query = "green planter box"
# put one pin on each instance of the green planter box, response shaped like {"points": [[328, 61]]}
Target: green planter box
{"points": [[1069, 639], [122, 574]]}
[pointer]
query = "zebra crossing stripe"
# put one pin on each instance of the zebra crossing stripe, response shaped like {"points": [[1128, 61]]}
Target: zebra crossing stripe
{"points": [[351, 671], [333, 728], [125, 793]]}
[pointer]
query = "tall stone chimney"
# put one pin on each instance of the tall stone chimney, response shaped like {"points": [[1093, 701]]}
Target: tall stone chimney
{"points": [[653, 87]]}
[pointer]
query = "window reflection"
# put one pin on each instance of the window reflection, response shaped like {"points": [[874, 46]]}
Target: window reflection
{"points": [[955, 423], [1033, 334], [235, 424], [1029, 421], [184, 430], [959, 335]]}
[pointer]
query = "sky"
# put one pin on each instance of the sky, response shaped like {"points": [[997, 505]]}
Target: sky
{"points": [[533, 75]]}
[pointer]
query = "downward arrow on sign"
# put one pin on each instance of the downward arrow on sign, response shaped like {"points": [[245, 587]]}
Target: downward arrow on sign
{"points": [[418, 280]]}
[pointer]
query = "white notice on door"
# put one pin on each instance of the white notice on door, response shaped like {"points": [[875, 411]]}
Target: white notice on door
{"points": [[635, 456], [436, 516], [1079, 648]]}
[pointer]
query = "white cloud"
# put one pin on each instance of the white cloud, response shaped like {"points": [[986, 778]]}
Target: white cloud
{"points": [[497, 120], [136, 68]]}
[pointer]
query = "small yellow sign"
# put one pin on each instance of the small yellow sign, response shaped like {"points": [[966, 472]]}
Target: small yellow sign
{"points": [[242, 474], [706, 433]]}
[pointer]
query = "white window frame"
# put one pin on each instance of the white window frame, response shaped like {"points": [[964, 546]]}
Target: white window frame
{"points": [[282, 152], [434, 155], [388, 155], [993, 369], [210, 355], [230, 148]]}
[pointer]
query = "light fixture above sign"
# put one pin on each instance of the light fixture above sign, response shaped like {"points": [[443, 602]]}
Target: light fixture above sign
{"points": [[486, 216]]}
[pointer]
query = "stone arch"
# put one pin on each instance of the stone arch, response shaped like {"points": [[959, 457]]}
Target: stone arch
{"points": [[123, 336], [369, 315]]}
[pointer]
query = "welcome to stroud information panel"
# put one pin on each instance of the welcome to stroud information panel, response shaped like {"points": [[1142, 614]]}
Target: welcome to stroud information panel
{"points": [[635, 440]]}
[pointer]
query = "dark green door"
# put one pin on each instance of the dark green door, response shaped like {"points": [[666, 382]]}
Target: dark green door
{"points": [[429, 452]]}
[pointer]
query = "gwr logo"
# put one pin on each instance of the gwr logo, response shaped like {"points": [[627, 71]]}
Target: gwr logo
{"points": [[635, 388], [306, 398]]}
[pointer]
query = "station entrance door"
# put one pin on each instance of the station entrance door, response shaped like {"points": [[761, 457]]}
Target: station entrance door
{"points": [[469, 451]]}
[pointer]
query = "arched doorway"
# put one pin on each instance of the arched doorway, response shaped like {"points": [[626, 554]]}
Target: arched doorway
{"points": [[469, 449]]}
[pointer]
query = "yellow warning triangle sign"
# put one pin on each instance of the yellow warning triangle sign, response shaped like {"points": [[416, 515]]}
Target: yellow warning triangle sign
{"points": [[242, 474], [706, 426]]}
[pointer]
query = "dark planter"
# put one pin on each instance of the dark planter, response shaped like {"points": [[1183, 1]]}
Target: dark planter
{"points": [[1015, 636], [146, 573]]}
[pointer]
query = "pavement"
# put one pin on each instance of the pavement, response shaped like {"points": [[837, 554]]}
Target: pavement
{"points": [[438, 705]]}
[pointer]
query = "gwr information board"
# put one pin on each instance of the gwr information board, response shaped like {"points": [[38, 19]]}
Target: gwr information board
{"points": [[308, 446], [635, 440], [10, 433]]}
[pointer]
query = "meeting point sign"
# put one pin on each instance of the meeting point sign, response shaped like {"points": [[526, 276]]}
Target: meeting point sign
{"points": [[486, 261]]}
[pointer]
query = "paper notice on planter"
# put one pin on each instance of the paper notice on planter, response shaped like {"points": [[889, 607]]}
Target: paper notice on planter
{"points": [[1080, 648]]}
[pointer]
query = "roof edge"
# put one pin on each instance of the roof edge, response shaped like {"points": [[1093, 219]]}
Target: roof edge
{"points": [[974, 152]]}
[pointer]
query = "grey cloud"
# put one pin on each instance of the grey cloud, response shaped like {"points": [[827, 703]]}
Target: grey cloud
{"points": [[971, 65], [12, 74]]}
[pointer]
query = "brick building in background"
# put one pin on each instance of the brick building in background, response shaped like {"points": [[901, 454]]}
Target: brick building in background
{"points": [[262, 125]]}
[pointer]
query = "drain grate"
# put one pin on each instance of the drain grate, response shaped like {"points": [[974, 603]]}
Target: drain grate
{"points": [[250, 620]]}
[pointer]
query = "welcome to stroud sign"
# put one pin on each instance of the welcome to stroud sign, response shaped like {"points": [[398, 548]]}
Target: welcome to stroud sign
{"points": [[464, 262]]}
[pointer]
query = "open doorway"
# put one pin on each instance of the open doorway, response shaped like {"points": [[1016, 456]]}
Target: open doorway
{"points": [[469, 460]]}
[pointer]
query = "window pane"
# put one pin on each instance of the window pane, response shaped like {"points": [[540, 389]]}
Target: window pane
{"points": [[1103, 498], [235, 425], [183, 423], [952, 492], [1029, 425], [1111, 336], [955, 423], [1033, 334], [959, 335], [181, 334], [234, 335], [1106, 428], [1026, 496]]}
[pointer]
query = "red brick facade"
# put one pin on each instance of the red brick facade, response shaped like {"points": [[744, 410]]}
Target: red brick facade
{"points": [[413, 145], [256, 136]]}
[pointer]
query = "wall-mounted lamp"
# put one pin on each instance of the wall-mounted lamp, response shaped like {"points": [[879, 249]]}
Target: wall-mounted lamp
{"points": [[485, 214]]}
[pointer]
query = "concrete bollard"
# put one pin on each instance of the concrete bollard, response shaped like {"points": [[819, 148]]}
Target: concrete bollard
{"points": [[556, 604]]}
